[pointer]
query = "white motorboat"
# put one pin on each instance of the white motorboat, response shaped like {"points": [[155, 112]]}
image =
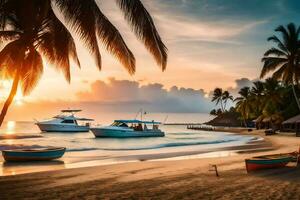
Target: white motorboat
{"points": [[65, 122], [129, 128]]}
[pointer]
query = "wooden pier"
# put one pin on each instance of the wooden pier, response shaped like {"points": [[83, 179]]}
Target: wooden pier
{"points": [[203, 127]]}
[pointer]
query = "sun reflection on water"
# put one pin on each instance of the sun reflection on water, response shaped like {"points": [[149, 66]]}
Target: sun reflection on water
{"points": [[10, 127]]}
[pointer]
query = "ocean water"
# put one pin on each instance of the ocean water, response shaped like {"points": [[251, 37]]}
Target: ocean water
{"points": [[83, 149], [175, 136]]}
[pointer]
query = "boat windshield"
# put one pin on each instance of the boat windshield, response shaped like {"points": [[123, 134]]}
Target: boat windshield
{"points": [[119, 124], [69, 121]]}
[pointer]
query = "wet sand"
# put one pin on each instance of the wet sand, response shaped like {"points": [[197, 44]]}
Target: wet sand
{"points": [[165, 179]]}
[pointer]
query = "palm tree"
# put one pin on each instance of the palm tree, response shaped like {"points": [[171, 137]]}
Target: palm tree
{"points": [[270, 102], [213, 112], [283, 60], [272, 93], [243, 103], [257, 93], [225, 97], [218, 97], [33, 32]]}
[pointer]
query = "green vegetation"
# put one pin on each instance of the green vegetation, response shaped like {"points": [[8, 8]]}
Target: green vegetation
{"points": [[270, 101], [275, 99]]}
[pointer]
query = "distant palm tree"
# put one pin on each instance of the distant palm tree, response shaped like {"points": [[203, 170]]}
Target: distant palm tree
{"points": [[32, 32], [225, 97], [213, 112], [218, 97], [257, 93], [272, 93], [243, 103], [270, 102], [284, 60]]}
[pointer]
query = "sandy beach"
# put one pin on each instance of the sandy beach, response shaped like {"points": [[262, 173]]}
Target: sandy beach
{"points": [[165, 179]]}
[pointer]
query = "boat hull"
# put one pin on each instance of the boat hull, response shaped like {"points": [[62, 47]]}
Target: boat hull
{"points": [[33, 155], [258, 163], [103, 132], [62, 128]]}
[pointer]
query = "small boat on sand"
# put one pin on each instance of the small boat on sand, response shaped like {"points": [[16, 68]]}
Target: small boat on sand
{"points": [[268, 161], [36, 154]]}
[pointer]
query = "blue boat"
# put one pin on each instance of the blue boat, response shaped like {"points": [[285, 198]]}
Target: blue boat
{"points": [[37, 154]]}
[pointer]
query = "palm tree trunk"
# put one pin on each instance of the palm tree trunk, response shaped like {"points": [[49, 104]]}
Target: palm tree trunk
{"points": [[10, 98], [245, 123], [222, 106], [295, 95]]}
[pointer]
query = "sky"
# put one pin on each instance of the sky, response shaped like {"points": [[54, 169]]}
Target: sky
{"points": [[211, 43]]}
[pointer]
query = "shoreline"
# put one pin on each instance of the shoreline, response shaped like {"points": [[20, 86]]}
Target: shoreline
{"points": [[79, 159], [165, 178]]}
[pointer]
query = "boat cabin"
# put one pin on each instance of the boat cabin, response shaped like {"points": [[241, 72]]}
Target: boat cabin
{"points": [[70, 117], [137, 125]]}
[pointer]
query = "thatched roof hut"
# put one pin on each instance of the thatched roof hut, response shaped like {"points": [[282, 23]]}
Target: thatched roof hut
{"points": [[293, 120], [291, 124]]}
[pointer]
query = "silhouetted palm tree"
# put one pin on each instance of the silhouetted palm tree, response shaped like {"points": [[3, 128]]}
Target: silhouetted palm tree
{"points": [[283, 61], [272, 93], [225, 97], [213, 112], [243, 103], [218, 97], [33, 32], [257, 93], [270, 102]]}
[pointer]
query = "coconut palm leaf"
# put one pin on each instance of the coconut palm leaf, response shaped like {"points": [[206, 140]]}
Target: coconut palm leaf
{"points": [[81, 17], [271, 64], [276, 52], [281, 46], [31, 72], [143, 26], [113, 41], [9, 35]]}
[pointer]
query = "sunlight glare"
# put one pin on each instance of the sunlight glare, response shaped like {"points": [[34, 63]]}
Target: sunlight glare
{"points": [[18, 98], [6, 84], [10, 127]]}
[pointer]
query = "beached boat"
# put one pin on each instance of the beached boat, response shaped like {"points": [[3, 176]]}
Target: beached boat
{"points": [[129, 128], [65, 123], [37, 154], [268, 161]]}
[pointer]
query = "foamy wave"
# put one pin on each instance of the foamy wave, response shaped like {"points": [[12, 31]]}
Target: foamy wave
{"points": [[82, 149], [172, 144]]}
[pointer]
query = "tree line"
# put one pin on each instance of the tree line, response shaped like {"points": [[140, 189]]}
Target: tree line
{"points": [[276, 98]]}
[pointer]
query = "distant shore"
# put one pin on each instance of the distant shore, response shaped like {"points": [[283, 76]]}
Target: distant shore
{"points": [[165, 179]]}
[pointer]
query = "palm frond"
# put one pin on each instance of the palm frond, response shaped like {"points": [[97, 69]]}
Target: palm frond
{"points": [[285, 35], [31, 71], [143, 26], [113, 41], [11, 57], [9, 35], [80, 16], [10, 53], [279, 43], [276, 52], [280, 72], [271, 64], [57, 45]]}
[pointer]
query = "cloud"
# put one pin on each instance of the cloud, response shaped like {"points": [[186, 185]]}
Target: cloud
{"points": [[128, 95], [240, 83]]}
